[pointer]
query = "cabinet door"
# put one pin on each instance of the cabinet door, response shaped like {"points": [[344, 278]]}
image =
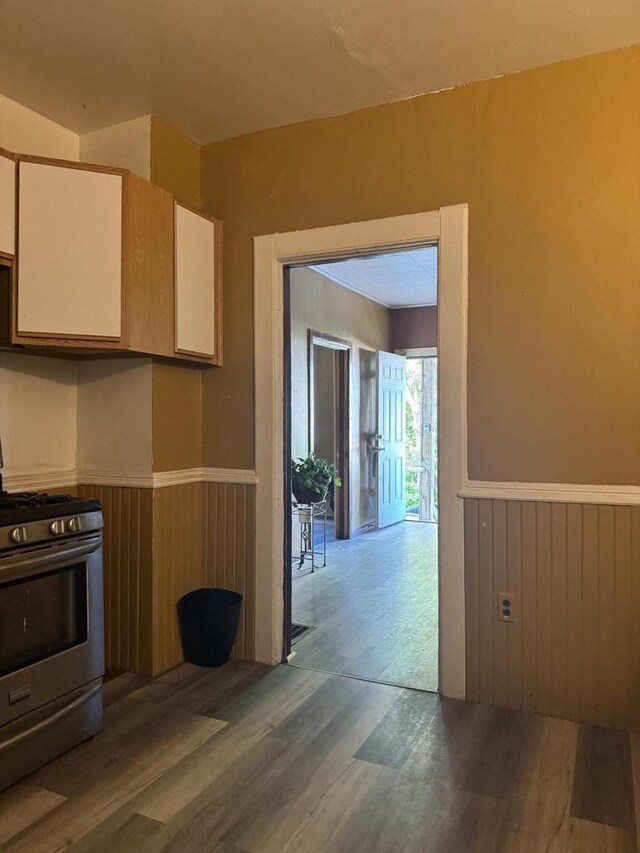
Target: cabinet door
{"points": [[197, 284], [7, 205], [69, 251]]}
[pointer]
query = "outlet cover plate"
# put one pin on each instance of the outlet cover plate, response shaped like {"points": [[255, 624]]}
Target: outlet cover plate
{"points": [[508, 604]]}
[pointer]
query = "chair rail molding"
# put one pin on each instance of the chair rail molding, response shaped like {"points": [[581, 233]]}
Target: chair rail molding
{"points": [[71, 478], [553, 492], [36, 481]]}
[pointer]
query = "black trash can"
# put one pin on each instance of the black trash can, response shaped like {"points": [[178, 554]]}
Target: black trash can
{"points": [[208, 624]]}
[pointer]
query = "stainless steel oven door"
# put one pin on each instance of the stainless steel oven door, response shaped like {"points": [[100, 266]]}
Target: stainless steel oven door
{"points": [[51, 623]]}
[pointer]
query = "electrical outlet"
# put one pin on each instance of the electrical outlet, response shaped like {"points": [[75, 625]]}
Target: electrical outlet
{"points": [[508, 607]]}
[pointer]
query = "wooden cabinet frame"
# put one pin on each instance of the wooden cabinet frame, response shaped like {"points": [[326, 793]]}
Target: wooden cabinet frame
{"points": [[146, 278], [148, 294], [8, 155]]}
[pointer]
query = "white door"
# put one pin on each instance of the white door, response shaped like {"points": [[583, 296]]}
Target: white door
{"points": [[390, 437]]}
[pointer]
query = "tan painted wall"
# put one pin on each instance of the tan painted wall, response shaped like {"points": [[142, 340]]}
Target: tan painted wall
{"points": [[177, 417], [549, 162], [177, 389], [411, 328], [175, 162], [322, 305]]}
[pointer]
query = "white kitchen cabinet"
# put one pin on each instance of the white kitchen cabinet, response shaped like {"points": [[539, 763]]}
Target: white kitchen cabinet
{"points": [[70, 251], [198, 285], [7, 204], [105, 260]]}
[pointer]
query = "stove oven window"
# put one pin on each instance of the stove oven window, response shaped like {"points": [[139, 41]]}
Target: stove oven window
{"points": [[42, 616]]}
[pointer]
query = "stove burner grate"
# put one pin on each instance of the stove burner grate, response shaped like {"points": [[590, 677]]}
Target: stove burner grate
{"points": [[15, 500]]}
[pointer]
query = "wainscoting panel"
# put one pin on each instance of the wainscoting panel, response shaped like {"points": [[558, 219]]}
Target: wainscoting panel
{"points": [[161, 543], [574, 650], [178, 564], [127, 575], [230, 524]]}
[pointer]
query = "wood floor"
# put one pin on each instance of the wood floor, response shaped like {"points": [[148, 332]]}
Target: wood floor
{"points": [[374, 607], [260, 760]]}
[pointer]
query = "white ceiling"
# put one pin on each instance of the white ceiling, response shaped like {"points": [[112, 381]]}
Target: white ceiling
{"points": [[220, 68], [398, 280]]}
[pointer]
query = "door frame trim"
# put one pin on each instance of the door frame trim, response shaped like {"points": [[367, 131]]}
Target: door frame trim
{"points": [[447, 226], [342, 422]]}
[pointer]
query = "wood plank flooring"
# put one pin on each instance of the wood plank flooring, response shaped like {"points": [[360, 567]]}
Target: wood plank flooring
{"points": [[374, 607], [249, 759]]}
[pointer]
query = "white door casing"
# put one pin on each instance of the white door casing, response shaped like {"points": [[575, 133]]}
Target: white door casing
{"points": [[447, 226], [390, 437]]}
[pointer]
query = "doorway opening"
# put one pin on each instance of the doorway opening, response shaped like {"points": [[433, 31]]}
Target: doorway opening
{"points": [[422, 435], [361, 395]]}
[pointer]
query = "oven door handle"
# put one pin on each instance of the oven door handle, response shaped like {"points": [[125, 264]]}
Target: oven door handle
{"points": [[38, 562], [46, 723]]}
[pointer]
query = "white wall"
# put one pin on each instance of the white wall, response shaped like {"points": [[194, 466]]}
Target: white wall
{"points": [[38, 396], [126, 146], [58, 416], [38, 402], [24, 132], [114, 418]]}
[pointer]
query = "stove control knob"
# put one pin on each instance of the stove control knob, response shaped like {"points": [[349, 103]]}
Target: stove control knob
{"points": [[18, 535], [74, 525], [56, 528]]}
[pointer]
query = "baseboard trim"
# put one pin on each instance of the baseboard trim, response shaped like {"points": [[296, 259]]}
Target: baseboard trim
{"points": [[553, 493]]}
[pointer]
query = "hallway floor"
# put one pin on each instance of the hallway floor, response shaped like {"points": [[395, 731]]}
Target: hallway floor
{"points": [[374, 607]]}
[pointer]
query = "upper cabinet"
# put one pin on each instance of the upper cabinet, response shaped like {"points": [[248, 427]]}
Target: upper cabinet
{"points": [[198, 285], [71, 246], [108, 261], [7, 204]]}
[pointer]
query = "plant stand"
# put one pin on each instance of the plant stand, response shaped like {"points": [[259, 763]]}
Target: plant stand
{"points": [[308, 516]]}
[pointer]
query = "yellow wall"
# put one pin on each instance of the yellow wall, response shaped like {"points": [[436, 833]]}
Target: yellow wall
{"points": [[549, 162], [175, 162], [177, 389]]}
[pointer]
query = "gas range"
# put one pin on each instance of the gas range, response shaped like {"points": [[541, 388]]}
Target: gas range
{"points": [[28, 518], [51, 627]]}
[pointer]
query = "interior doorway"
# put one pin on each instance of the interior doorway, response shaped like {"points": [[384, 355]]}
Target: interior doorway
{"points": [[363, 587], [449, 227]]}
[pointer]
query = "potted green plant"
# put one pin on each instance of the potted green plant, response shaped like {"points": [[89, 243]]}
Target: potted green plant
{"points": [[311, 478]]}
